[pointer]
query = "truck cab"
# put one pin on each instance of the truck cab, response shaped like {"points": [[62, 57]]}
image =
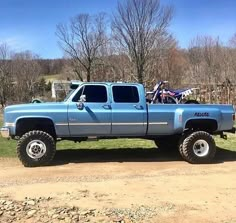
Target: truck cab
{"points": [[103, 109]]}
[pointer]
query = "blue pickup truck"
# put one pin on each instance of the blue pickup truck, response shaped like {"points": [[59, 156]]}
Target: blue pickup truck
{"points": [[115, 110]]}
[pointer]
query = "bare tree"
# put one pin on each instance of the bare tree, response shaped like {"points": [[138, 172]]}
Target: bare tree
{"points": [[114, 68], [196, 61], [232, 52], [82, 41], [206, 63], [26, 72], [140, 26], [232, 41], [162, 65], [5, 74]]}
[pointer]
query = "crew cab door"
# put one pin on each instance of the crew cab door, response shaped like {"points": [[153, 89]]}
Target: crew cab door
{"points": [[94, 118], [129, 114]]}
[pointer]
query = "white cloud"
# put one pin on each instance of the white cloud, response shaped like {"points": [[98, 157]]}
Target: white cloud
{"points": [[16, 43]]}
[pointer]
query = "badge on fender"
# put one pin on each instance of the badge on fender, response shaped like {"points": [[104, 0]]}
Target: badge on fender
{"points": [[201, 114]]}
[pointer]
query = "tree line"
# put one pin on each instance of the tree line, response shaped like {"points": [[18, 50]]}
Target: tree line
{"points": [[133, 44]]}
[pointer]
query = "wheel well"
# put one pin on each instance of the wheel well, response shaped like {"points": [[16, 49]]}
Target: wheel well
{"points": [[208, 125], [28, 124]]}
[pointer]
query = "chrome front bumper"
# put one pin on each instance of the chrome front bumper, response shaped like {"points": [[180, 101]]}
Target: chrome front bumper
{"points": [[5, 132]]}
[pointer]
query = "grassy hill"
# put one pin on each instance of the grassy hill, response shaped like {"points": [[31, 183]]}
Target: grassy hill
{"points": [[52, 77]]}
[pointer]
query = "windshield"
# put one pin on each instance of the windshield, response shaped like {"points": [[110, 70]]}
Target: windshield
{"points": [[69, 94]]}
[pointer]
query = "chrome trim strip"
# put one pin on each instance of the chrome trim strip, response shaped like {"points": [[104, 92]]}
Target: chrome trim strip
{"points": [[158, 123], [61, 124], [130, 123], [115, 123], [100, 123], [9, 124], [90, 123]]}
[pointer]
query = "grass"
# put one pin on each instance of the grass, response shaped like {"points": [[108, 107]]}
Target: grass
{"points": [[7, 147], [229, 144], [52, 77]]}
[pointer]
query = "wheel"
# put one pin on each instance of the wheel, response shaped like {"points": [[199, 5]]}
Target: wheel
{"points": [[36, 148], [180, 143], [199, 147], [36, 100], [167, 143], [169, 100], [166, 100], [191, 102]]}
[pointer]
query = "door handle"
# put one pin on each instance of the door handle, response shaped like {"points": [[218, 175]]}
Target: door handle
{"points": [[106, 106], [138, 107]]}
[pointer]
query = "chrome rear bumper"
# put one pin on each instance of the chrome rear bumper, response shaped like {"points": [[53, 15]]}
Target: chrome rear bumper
{"points": [[5, 132]]}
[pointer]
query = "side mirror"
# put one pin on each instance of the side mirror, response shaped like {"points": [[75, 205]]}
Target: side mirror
{"points": [[82, 98]]}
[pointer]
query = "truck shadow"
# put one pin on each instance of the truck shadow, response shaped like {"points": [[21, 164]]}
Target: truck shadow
{"points": [[129, 155]]}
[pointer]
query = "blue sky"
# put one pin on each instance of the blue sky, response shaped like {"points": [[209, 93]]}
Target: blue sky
{"points": [[31, 24]]}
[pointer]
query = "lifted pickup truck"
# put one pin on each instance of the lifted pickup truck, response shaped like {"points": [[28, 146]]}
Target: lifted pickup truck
{"points": [[115, 110]]}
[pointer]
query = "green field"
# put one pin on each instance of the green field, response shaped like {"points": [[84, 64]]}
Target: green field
{"points": [[143, 147], [52, 77]]}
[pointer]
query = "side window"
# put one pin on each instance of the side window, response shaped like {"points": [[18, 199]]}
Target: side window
{"points": [[77, 96], [94, 93], [125, 94]]}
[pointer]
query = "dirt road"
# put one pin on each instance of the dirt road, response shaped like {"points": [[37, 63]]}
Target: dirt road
{"points": [[118, 189]]}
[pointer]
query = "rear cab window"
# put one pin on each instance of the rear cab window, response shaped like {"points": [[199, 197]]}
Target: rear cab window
{"points": [[125, 94]]}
